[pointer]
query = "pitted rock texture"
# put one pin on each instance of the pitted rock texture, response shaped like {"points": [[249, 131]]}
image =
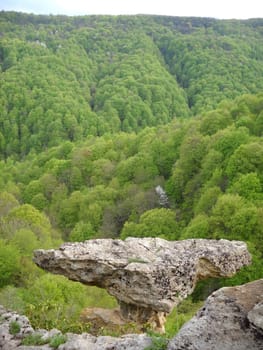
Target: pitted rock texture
{"points": [[88, 342], [9, 341], [231, 319], [150, 273]]}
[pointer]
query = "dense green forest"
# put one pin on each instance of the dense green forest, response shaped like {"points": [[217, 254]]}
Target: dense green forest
{"points": [[124, 126], [70, 77]]}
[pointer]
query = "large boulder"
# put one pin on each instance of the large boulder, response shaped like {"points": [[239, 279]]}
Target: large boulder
{"points": [[148, 276], [231, 319]]}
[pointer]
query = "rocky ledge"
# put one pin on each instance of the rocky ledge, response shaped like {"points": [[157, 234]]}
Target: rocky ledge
{"points": [[148, 276], [231, 319], [16, 332]]}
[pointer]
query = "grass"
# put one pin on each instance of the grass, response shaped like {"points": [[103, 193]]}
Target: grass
{"points": [[36, 339], [57, 340], [180, 315], [14, 328], [159, 342]]}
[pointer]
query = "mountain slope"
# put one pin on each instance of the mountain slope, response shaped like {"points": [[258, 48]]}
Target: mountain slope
{"points": [[70, 77]]}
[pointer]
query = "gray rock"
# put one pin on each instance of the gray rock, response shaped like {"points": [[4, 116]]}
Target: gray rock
{"points": [[224, 323], [126, 342], [230, 320], [74, 341], [88, 342], [10, 341], [33, 347], [255, 316], [148, 276], [82, 341], [50, 334]]}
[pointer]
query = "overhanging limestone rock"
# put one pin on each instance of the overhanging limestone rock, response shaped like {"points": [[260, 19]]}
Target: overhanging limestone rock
{"points": [[148, 276]]}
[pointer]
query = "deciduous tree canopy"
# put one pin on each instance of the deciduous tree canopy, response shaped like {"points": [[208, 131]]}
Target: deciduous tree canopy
{"points": [[98, 112]]}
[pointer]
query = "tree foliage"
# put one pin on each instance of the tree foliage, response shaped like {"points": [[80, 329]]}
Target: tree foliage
{"points": [[96, 113], [65, 78]]}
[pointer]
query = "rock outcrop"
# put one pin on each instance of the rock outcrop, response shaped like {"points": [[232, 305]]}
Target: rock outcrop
{"points": [[10, 340], [231, 319], [148, 276], [88, 342]]}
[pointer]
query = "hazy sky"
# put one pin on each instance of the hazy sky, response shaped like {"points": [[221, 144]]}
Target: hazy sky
{"points": [[205, 8]]}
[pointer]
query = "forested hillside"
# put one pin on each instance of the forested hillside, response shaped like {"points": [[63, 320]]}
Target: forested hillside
{"points": [[124, 126], [70, 77]]}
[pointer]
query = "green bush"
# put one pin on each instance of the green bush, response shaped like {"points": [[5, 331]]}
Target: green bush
{"points": [[9, 263]]}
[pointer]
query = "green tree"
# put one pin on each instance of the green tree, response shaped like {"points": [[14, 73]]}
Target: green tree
{"points": [[207, 200], [197, 228], [247, 158], [225, 209], [81, 232], [34, 188], [214, 121], [25, 241], [39, 201], [228, 140], [159, 222], [7, 203], [9, 264], [247, 186], [28, 217]]}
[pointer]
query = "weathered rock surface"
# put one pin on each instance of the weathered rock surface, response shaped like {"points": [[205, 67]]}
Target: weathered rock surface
{"points": [[88, 342], [83, 341], [255, 316], [231, 319], [9, 341], [148, 276]]}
